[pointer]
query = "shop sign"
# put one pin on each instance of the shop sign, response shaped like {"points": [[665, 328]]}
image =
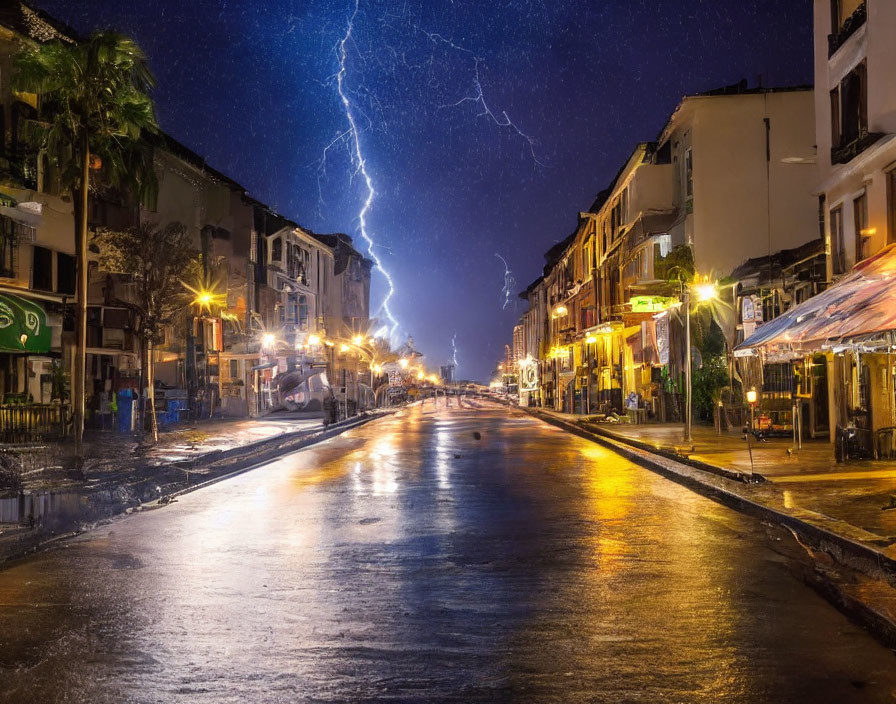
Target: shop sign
{"points": [[662, 337], [23, 325], [751, 309], [529, 378]]}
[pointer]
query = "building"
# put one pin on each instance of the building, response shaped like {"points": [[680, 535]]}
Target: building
{"points": [[729, 180], [836, 348], [37, 247]]}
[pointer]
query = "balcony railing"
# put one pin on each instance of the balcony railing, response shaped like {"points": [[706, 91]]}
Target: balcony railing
{"points": [[30, 422], [847, 152], [847, 29]]}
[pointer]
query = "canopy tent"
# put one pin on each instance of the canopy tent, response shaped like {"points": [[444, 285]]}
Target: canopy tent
{"points": [[858, 310], [23, 326]]}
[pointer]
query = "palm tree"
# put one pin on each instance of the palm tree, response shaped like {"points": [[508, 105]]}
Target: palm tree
{"points": [[96, 104]]}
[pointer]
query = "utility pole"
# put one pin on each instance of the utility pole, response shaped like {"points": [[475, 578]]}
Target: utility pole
{"points": [[686, 298]]}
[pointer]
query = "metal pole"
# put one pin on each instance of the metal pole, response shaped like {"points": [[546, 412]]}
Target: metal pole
{"points": [[687, 366]]}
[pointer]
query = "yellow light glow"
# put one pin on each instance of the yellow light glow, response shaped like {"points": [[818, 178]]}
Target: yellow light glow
{"points": [[559, 311], [706, 292], [403, 363], [433, 379], [343, 348], [751, 396], [591, 339], [421, 376], [267, 340], [313, 340], [376, 368], [358, 339], [329, 343], [869, 231]]}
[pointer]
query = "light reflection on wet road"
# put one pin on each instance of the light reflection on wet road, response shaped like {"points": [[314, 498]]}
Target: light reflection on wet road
{"points": [[408, 561]]}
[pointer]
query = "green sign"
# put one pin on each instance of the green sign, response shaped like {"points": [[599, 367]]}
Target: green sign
{"points": [[23, 326]]}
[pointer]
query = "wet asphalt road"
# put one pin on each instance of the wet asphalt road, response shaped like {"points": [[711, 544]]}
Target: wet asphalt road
{"points": [[408, 561]]}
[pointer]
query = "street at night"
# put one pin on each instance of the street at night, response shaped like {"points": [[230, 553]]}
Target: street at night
{"points": [[469, 554]]}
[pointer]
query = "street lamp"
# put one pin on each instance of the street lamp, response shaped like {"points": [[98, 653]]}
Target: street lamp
{"points": [[751, 399], [705, 291], [403, 363]]}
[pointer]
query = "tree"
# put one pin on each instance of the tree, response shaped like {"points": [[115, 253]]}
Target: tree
{"points": [[158, 259], [95, 100]]}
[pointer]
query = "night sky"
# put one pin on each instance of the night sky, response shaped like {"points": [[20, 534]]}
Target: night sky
{"points": [[251, 87]]}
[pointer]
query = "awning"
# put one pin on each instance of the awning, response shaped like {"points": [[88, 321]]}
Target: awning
{"points": [[23, 325], [858, 307]]}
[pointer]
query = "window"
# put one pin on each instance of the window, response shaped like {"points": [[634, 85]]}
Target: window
{"points": [[853, 105], [65, 273], [891, 206], [302, 313], [689, 174], [277, 249], [838, 251], [234, 369], [42, 269], [9, 240], [860, 215]]}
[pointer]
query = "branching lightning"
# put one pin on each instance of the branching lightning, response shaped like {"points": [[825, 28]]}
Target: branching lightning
{"points": [[509, 282], [454, 352], [501, 119], [352, 139]]}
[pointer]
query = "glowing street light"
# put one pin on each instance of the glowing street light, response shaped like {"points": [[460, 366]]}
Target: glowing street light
{"points": [[313, 340], [706, 292], [403, 363], [421, 376], [343, 348], [358, 339], [267, 340]]}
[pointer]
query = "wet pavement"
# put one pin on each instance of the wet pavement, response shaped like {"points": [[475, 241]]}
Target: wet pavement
{"points": [[411, 560], [855, 492]]}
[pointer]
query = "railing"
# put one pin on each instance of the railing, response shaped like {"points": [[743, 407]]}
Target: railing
{"points": [[30, 422], [847, 152], [847, 29]]}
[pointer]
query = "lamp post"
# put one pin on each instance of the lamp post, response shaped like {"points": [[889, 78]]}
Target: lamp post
{"points": [[751, 399], [706, 292]]}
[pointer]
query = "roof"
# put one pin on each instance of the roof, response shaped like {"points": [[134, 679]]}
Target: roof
{"points": [[531, 287], [858, 307], [183, 152], [779, 262], [343, 247], [34, 23]]}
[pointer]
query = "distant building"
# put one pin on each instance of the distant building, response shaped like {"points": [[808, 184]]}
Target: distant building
{"points": [[446, 373]]}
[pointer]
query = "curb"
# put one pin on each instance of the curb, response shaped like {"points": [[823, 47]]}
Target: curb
{"points": [[844, 550], [303, 440], [285, 443]]}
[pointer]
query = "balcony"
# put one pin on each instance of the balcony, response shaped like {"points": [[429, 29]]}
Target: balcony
{"points": [[849, 27], [847, 152]]}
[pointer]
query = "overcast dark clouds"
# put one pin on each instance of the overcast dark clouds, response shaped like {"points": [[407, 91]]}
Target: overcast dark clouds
{"points": [[248, 85]]}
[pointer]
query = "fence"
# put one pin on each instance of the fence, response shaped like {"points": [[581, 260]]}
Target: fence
{"points": [[31, 422]]}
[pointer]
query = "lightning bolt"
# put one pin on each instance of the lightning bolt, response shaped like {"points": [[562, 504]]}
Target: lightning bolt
{"points": [[509, 282], [501, 119], [352, 138], [454, 352]]}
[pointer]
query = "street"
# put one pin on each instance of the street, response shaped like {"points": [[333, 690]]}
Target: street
{"points": [[437, 555]]}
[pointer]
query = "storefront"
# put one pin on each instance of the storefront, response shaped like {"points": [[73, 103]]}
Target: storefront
{"points": [[25, 341], [834, 354]]}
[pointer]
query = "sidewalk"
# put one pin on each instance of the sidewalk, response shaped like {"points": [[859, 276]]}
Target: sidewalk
{"points": [[112, 457], [807, 479], [834, 511], [123, 476]]}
